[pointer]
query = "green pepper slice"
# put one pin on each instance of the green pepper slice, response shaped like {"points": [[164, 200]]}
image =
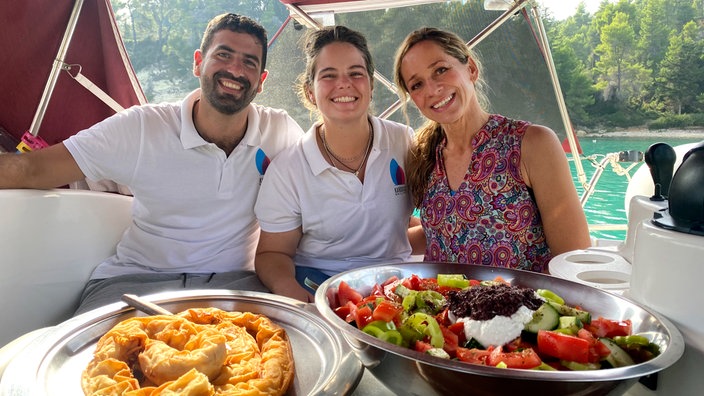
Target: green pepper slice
{"points": [[453, 280], [550, 296], [428, 326], [633, 339], [385, 331], [392, 336]]}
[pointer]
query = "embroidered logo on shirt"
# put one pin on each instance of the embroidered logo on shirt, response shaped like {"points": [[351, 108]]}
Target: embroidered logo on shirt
{"points": [[398, 176], [262, 161]]}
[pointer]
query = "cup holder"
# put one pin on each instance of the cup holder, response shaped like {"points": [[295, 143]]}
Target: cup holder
{"points": [[608, 271], [605, 277], [590, 258]]}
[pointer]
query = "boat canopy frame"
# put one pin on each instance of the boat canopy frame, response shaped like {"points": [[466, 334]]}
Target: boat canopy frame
{"points": [[313, 14]]}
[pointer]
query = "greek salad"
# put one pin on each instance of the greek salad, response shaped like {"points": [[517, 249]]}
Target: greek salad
{"points": [[490, 322]]}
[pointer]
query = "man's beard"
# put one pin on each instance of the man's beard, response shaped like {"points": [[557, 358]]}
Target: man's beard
{"points": [[227, 103]]}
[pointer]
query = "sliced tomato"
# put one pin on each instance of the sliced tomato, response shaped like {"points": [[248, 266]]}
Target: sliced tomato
{"points": [[443, 317], [393, 279], [377, 291], [602, 327], [563, 346], [523, 359], [473, 355], [344, 311], [389, 287], [451, 341], [346, 293], [351, 310], [386, 310], [518, 344], [362, 316], [457, 328], [370, 300], [413, 282], [429, 284], [597, 349], [444, 290], [422, 346]]}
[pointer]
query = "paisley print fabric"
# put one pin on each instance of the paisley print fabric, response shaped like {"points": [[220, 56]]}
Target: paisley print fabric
{"points": [[492, 218]]}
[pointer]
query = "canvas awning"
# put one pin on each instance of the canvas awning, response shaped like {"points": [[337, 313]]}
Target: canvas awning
{"points": [[31, 38]]}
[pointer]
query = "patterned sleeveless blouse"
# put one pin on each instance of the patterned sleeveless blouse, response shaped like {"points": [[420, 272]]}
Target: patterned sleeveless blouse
{"points": [[492, 219]]}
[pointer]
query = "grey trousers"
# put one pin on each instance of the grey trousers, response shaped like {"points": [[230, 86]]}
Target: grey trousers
{"points": [[100, 292]]}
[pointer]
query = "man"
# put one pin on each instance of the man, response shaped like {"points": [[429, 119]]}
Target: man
{"points": [[193, 167]]}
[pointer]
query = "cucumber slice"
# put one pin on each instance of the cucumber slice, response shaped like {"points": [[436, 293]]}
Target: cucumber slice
{"points": [[618, 357], [566, 310], [545, 317], [438, 352], [570, 323], [574, 366]]}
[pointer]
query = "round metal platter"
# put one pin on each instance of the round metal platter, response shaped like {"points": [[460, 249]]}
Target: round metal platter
{"points": [[405, 371], [53, 364]]}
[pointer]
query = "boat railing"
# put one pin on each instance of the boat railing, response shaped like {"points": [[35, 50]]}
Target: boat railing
{"points": [[621, 163]]}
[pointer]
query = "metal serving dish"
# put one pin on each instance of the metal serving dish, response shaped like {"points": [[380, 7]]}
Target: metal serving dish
{"points": [[408, 372], [53, 364]]}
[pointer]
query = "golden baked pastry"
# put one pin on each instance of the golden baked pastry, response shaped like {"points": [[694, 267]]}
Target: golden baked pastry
{"points": [[203, 351]]}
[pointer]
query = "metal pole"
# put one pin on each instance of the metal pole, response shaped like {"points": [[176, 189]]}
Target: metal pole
{"points": [[56, 69], [312, 23], [560, 98]]}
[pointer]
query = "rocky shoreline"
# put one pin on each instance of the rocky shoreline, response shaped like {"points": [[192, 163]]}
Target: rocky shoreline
{"points": [[694, 133]]}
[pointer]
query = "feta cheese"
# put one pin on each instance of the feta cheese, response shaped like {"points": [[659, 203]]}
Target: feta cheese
{"points": [[499, 330]]}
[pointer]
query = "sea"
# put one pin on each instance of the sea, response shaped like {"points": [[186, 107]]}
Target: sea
{"points": [[606, 205]]}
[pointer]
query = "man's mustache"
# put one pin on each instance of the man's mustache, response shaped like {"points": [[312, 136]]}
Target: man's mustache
{"points": [[240, 80]]}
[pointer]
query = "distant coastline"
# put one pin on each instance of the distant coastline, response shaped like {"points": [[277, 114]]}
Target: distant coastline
{"points": [[693, 133]]}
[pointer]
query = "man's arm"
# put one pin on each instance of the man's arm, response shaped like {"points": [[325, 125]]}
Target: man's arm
{"points": [[46, 168]]}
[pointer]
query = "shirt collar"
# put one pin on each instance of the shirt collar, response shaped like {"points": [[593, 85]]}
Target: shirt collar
{"points": [[190, 138], [312, 153], [315, 158]]}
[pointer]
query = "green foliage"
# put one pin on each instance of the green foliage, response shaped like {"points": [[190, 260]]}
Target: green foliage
{"points": [[630, 62], [161, 35], [680, 80], [576, 84], [677, 121], [645, 63]]}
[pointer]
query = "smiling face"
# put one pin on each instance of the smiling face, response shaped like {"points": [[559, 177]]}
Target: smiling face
{"points": [[230, 71], [342, 88], [439, 84]]}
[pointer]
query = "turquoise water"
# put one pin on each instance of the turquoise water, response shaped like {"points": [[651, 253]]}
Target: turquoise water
{"points": [[606, 205]]}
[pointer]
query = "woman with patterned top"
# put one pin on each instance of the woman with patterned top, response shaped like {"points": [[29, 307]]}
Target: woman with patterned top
{"points": [[491, 190]]}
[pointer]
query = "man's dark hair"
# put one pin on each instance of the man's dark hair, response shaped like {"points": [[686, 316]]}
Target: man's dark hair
{"points": [[238, 24]]}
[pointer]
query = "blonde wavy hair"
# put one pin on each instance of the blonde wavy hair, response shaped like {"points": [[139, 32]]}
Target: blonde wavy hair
{"points": [[421, 158]]}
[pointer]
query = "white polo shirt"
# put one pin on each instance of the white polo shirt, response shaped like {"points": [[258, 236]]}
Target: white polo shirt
{"points": [[193, 208], [346, 224]]}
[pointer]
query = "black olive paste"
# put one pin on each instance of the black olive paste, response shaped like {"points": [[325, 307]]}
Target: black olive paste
{"points": [[485, 302]]}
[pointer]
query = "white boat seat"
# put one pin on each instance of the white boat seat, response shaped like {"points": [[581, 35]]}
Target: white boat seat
{"points": [[50, 242]]}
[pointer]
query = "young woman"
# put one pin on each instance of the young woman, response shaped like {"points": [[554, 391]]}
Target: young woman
{"points": [[491, 190], [337, 199]]}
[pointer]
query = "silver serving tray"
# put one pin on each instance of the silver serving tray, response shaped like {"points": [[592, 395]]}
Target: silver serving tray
{"points": [[52, 365], [405, 371]]}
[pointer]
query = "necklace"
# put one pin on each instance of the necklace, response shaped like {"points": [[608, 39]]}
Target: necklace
{"points": [[335, 159], [338, 157]]}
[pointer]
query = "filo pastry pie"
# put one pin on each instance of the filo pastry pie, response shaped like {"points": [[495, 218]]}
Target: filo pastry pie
{"points": [[203, 351]]}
